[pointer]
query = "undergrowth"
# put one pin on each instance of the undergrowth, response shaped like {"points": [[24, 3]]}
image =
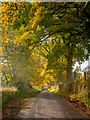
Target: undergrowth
{"points": [[21, 93]]}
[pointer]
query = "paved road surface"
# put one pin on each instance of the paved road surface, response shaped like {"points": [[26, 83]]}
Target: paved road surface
{"points": [[50, 105]]}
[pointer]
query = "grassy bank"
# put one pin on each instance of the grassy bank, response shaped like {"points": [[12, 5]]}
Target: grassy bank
{"points": [[13, 93]]}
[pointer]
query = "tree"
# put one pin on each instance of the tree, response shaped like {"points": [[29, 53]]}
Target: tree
{"points": [[66, 21]]}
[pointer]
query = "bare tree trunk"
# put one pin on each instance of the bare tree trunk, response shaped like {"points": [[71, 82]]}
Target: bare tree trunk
{"points": [[29, 84], [69, 69], [69, 65]]}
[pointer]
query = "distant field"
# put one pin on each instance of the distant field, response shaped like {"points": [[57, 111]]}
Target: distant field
{"points": [[8, 89]]}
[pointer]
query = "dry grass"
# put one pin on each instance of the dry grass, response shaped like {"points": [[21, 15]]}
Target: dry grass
{"points": [[8, 89]]}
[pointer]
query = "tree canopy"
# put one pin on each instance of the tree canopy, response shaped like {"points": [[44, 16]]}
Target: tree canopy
{"points": [[52, 33]]}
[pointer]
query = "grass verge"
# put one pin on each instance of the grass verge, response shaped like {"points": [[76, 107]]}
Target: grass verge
{"points": [[9, 94]]}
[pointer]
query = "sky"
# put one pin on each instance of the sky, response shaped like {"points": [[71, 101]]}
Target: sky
{"points": [[83, 65]]}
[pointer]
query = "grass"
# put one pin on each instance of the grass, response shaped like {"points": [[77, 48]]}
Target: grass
{"points": [[13, 93]]}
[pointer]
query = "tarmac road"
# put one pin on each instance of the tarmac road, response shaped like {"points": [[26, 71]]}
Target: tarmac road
{"points": [[50, 105]]}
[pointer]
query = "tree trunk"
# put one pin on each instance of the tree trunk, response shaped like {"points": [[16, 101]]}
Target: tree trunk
{"points": [[29, 84], [69, 70], [69, 65], [60, 80]]}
